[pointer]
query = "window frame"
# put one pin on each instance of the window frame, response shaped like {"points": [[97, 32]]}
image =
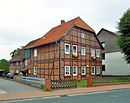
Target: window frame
{"points": [[66, 52], [98, 72], [83, 51], [92, 53], [73, 50], [26, 62], [82, 35], [35, 71], [75, 71], [35, 52], [83, 67], [98, 52], [93, 73], [68, 74]]}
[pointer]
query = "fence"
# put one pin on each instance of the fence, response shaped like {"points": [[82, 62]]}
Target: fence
{"points": [[33, 80], [67, 83]]}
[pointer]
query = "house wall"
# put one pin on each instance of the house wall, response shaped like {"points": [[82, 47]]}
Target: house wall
{"points": [[115, 64]]}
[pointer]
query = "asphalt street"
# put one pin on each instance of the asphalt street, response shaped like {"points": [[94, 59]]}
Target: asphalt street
{"points": [[115, 96], [7, 86]]}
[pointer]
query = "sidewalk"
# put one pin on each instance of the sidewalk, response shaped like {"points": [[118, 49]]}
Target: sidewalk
{"points": [[25, 95]]}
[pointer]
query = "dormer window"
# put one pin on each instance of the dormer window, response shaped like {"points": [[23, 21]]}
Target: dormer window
{"points": [[67, 48], [82, 35]]}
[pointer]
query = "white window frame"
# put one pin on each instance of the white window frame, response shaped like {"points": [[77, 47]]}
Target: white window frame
{"points": [[83, 50], [75, 68], [93, 72], [17, 71], [26, 62], [82, 35], [92, 52], [17, 63], [21, 62], [73, 51], [35, 52], [98, 69], [83, 68], [67, 52], [35, 71], [67, 67], [97, 53]]}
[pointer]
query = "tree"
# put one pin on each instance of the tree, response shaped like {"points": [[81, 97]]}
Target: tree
{"points": [[15, 52], [123, 40], [4, 65]]}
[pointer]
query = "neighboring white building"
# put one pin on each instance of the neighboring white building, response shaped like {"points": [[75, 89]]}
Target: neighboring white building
{"points": [[113, 62]]}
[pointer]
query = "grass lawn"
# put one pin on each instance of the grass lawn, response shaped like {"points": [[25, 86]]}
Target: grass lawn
{"points": [[102, 81]]}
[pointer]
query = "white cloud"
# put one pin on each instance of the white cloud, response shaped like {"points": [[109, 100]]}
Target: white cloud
{"points": [[24, 20]]}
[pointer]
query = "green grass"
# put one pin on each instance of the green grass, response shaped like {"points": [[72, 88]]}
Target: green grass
{"points": [[82, 83], [101, 81]]}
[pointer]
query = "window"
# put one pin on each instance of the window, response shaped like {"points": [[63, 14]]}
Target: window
{"points": [[97, 53], [17, 63], [103, 55], [92, 52], [21, 63], [26, 62], [82, 35], [98, 69], [83, 51], [67, 70], [103, 67], [74, 49], [103, 44], [93, 70], [67, 48], [35, 52], [35, 71], [75, 71], [83, 70], [17, 71]]}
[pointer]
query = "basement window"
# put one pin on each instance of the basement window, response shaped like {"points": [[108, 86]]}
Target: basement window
{"points": [[67, 48], [83, 70], [74, 49], [93, 70], [67, 70], [75, 71]]}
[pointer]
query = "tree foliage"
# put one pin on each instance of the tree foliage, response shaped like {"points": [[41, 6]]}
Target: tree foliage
{"points": [[15, 52], [123, 40], [4, 65]]}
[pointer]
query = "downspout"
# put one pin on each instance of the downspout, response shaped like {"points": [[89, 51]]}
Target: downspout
{"points": [[60, 66]]}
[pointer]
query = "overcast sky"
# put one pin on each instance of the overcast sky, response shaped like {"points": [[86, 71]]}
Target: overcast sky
{"points": [[24, 20]]}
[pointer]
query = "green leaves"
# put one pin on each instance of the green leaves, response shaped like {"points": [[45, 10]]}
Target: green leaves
{"points": [[123, 40], [4, 65]]}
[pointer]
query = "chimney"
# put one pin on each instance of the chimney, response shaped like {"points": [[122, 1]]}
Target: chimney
{"points": [[62, 21]]}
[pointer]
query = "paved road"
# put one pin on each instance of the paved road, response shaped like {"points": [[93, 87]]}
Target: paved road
{"points": [[7, 86], [115, 96]]}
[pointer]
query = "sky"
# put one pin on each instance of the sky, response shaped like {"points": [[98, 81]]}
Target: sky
{"points": [[22, 21]]}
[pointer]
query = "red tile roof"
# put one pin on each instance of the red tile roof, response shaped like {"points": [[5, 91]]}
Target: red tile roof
{"points": [[57, 32]]}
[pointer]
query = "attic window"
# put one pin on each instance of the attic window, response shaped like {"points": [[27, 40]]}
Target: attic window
{"points": [[82, 35], [103, 44]]}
